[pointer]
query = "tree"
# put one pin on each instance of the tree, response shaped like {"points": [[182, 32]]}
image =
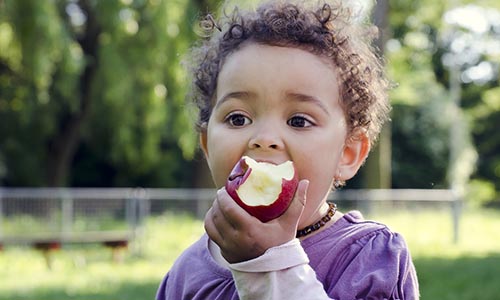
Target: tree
{"points": [[419, 131], [97, 80], [419, 56], [471, 59], [93, 93], [378, 169]]}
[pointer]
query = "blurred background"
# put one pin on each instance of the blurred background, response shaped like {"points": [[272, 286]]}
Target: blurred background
{"points": [[93, 95]]}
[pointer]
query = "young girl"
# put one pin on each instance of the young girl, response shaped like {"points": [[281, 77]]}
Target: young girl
{"points": [[291, 81]]}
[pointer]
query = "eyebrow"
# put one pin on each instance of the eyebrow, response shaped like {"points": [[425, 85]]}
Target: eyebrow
{"points": [[307, 98], [234, 95], [244, 95]]}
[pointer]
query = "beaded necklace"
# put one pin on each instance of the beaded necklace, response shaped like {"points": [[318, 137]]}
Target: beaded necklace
{"points": [[311, 228]]}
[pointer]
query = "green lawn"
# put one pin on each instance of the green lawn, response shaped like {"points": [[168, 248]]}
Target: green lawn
{"points": [[90, 273], [469, 269]]}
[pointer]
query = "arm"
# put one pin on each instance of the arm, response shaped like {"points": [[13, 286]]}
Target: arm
{"points": [[282, 272], [376, 267], [374, 264], [266, 260]]}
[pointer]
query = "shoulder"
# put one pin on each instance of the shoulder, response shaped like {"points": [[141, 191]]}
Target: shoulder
{"points": [[352, 235], [195, 275], [362, 232], [366, 252], [353, 231]]}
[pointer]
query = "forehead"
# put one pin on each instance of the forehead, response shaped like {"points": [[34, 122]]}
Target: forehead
{"points": [[261, 65]]}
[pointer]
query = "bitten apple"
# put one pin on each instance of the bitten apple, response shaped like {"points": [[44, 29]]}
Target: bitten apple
{"points": [[263, 189]]}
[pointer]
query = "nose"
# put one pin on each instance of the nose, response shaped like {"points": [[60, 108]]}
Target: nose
{"points": [[266, 139]]}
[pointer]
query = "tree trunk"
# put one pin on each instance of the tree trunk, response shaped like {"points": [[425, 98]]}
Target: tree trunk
{"points": [[202, 177], [377, 171], [63, 147]]}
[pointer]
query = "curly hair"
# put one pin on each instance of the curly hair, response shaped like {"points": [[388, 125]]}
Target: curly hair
{"points": [[326, 30]]}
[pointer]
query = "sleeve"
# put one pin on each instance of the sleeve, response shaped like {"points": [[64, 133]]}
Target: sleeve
{"points": [[378, 266], [160, 293], [281, 272]]}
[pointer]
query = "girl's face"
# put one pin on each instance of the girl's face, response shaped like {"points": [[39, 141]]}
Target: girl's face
{"points": [[276, 104]]}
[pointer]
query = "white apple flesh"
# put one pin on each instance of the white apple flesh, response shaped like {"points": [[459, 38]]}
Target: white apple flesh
{"points": [[263, 189]]}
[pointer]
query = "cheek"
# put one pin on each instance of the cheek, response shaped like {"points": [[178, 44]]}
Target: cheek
{"points": [[320, 182], [223, 154], [321, 160], [319, 166]]}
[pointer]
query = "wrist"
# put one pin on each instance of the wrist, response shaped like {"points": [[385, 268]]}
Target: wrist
{"points": [[277, 258]]}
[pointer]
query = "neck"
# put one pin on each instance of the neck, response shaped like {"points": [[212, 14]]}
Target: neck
{"points": [[320, 212], [323, 222]]}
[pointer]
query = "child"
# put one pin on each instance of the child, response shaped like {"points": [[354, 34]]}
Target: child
{"points": [[290, 81]]}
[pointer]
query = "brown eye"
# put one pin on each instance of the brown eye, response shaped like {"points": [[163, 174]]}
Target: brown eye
{"points": [[238, 120], [299, 121]]}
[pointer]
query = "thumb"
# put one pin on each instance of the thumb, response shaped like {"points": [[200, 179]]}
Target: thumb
{"points": [[292, 214]]}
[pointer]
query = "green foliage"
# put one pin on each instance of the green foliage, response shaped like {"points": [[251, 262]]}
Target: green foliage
{"points": [[92, 93], [426, 125], [411, 126], [486, 120], [420, 123], [480, 192], [90, 84], [32, 43]]}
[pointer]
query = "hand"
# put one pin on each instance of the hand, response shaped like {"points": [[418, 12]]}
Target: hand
{"points": [[241, 236]]}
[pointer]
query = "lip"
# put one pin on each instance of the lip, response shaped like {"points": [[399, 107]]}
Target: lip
{"points": [[267, 161], [237, 175]]}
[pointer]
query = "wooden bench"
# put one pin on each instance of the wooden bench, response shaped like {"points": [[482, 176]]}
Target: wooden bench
{"points": [[48, 243]]}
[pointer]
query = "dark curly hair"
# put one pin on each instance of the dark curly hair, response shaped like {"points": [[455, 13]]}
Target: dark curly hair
{"points": [[324, 29]]}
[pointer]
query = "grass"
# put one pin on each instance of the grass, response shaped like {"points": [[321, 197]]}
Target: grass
{"points": [[467, 270], [88, 272], [28, 224]]}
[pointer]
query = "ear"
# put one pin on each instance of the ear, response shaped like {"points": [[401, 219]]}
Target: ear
{"points": [[354, 154], [203, 141]]}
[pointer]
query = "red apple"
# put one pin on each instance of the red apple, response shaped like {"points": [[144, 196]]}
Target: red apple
{"points": [[263, 189]]}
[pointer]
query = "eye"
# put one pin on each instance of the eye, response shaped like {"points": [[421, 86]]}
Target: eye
{"points": [[299, 121], [237, 120]]}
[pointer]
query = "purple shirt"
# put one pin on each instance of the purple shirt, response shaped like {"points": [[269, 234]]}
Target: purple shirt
{"points": [[353, 259]]}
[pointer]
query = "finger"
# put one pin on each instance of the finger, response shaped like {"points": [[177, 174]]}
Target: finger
{"points": [[292, 214], [233, 213], [216, 223], [220, 213], [211, 229]]}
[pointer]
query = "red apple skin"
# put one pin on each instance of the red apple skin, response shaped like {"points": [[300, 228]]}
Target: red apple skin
{"points": [[264, 213]]}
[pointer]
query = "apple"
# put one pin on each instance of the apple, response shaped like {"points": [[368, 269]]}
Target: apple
{"points": [[263, 189]]}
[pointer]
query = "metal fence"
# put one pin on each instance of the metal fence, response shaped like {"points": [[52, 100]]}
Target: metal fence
{"points": [[110, 215]]}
